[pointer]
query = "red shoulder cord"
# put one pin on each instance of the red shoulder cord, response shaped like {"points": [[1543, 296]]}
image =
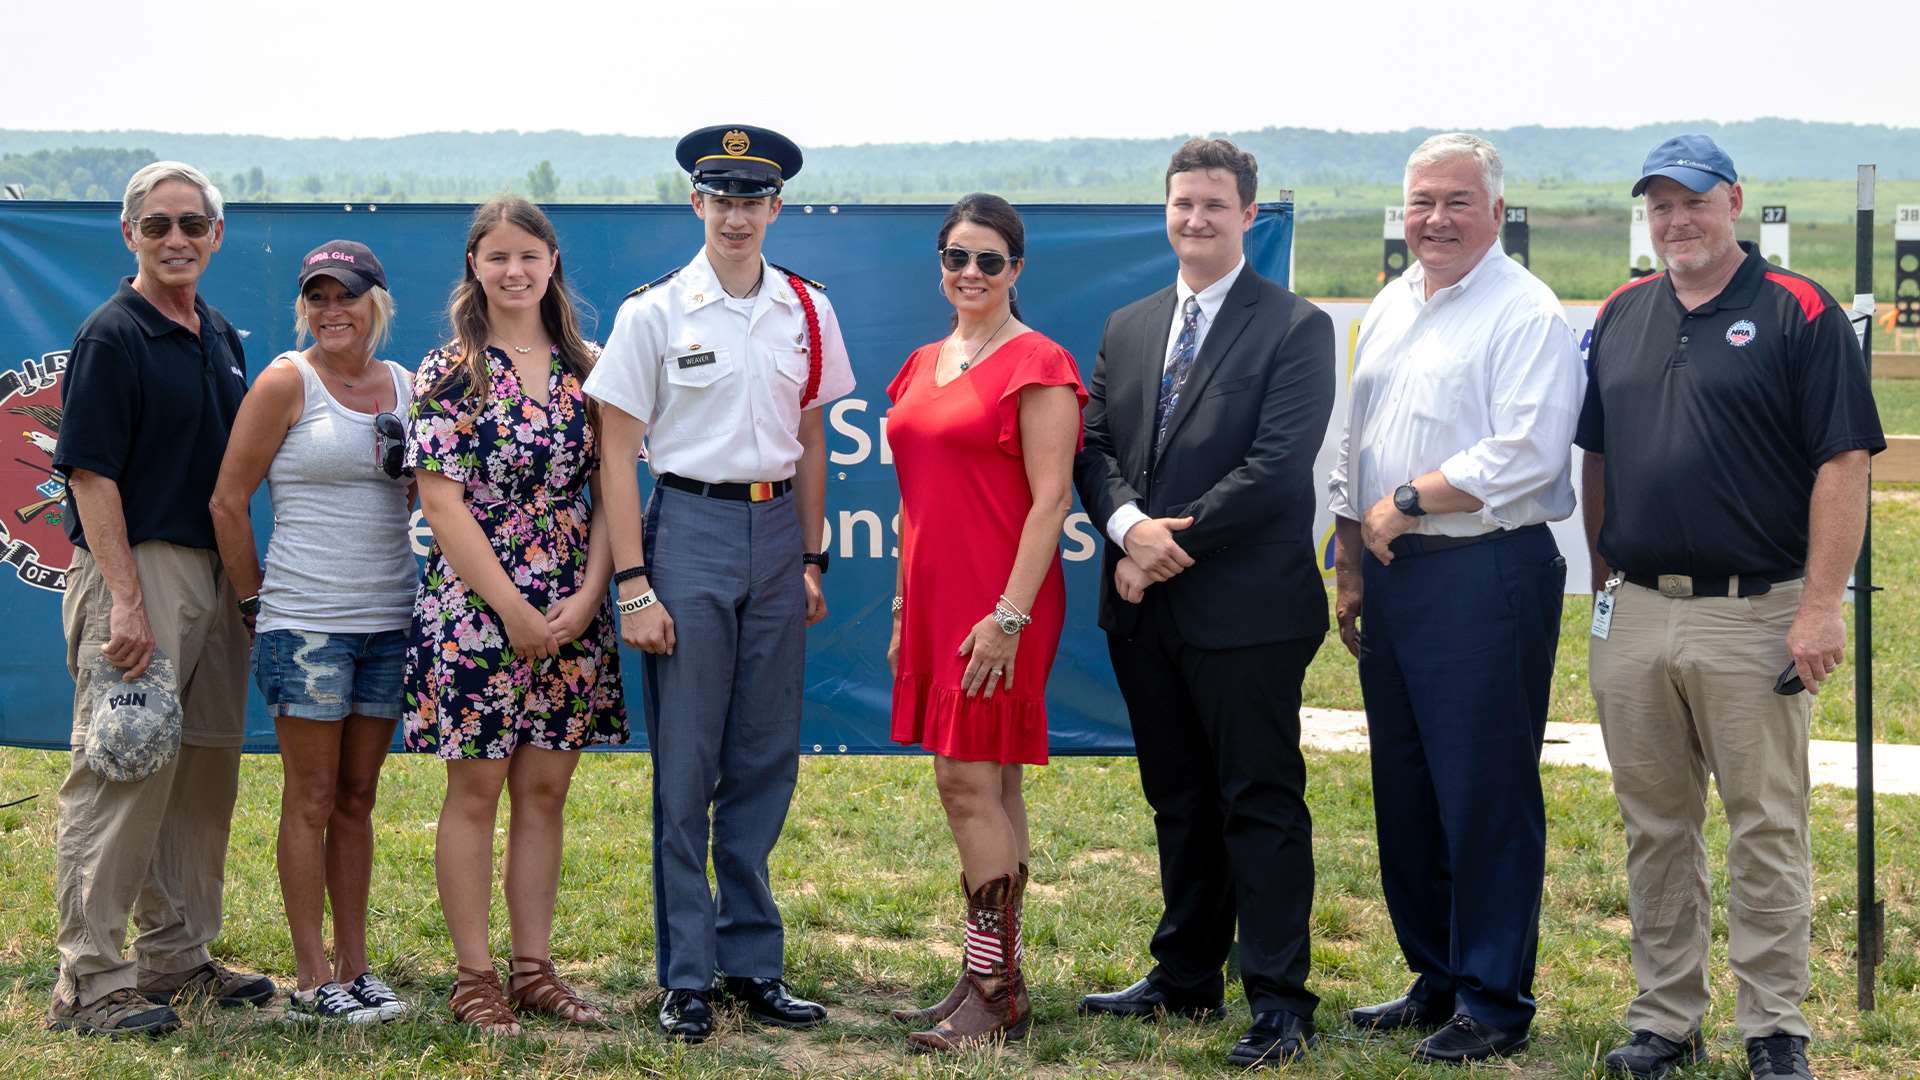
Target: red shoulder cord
{"points": [[813, 339]]}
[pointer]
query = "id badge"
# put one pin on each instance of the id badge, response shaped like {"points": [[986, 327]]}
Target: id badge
{"points": [[1603, 608]]}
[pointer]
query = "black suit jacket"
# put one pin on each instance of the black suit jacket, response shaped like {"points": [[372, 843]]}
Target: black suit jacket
{"points": [[1239, 459]]}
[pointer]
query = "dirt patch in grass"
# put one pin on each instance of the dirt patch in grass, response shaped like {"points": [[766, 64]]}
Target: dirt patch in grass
{"points": [[946, 950]]}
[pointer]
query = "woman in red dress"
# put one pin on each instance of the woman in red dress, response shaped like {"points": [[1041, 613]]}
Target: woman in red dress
{"points": [[984, 426]]}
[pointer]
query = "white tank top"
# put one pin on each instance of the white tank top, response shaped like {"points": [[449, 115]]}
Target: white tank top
{"points": [[340, 560]]}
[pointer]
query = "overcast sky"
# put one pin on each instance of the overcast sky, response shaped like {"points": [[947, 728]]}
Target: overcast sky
{"points": [[850, 71]]}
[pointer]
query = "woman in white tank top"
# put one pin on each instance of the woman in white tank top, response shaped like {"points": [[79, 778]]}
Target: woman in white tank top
{"points": [[331, 609]]}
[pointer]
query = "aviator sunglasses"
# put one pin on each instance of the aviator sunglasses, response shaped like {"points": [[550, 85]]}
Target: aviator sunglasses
{"points": [[155, 226], [991, 263]]}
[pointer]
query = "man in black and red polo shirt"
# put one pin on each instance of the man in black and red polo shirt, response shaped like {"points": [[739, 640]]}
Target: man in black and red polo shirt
{"points": [[1727, 424]]}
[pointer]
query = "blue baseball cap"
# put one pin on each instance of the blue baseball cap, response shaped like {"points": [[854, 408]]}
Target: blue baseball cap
{"points": [[1693, 160]]}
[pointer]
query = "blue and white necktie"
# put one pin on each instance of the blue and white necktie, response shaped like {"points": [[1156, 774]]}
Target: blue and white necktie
{"points": [[1175, 375]]}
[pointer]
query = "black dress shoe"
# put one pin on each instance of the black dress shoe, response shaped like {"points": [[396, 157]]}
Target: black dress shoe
{"points": [[1275, 1038], [1647, 1056], [1466, 1039], [1395, 1015], [767, 1001], [1778, 1055], [1143, 1000], [686, 1015]]}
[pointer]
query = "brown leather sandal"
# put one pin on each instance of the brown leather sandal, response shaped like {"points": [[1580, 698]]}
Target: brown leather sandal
{"points": [[478, 1000], [542, 992]]}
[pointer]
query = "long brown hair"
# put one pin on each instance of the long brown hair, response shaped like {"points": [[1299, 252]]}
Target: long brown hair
{"points": [[467, 308]]}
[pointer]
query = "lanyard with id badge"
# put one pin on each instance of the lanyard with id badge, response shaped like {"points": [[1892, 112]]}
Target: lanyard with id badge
{"points": [[1603, 605]]}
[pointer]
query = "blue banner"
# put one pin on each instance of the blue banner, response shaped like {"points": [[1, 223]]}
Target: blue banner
{"points": [[58, 261]]}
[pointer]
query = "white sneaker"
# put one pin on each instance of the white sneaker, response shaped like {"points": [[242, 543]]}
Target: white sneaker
{"points": [[375, 994], [329, 1003]]}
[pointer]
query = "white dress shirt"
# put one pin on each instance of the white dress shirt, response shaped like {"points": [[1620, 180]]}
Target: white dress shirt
{"points": [[1482, 381], [1129, 514], [717, 381]]}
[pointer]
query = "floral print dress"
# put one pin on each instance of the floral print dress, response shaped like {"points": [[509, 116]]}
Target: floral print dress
{"points": [[525, 470]]}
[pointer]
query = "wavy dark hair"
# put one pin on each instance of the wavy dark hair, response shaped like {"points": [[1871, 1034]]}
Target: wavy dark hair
{"points": [[1198, 155], [997, 214], [467, 307]]}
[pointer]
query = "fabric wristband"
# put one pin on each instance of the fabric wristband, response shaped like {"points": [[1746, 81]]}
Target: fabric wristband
{"points": [[621, 577]]}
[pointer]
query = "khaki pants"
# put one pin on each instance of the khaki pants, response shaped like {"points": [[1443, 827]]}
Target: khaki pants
{"points": [[1684, 688], [155, 849]]}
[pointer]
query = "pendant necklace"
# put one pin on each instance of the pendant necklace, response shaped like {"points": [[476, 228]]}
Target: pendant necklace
{"points": [[971, 360]]}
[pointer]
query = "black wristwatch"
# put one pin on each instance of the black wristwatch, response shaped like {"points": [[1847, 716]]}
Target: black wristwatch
{"points": [[250, 606], [812, 558], [1406, 499]]}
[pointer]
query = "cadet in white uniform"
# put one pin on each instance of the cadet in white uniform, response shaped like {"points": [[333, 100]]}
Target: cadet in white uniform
{"points": [[721, 367]]}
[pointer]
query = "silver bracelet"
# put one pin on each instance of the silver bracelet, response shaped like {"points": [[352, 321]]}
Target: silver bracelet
{"points": [[639, 603], [1010, 619], [899, 604]]}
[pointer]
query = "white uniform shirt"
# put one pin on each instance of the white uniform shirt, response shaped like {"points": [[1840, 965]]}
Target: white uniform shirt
{"points": [[1129, 514], [718, 388], [1482, 381]]}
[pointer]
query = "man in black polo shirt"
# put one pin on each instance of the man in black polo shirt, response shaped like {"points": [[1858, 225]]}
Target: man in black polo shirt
{"points": [[151, 389], [1727, 424]]}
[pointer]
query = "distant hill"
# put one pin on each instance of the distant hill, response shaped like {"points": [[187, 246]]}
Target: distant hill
{"points": [[465, 165]]}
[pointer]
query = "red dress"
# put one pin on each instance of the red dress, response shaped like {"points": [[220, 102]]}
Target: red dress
{"points": [[964, 499]]}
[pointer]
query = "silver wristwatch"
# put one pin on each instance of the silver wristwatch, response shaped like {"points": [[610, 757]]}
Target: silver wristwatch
{"points": [[1008, 618]]}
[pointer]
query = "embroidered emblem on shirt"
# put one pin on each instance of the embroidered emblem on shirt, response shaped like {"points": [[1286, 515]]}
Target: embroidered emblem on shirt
{"points": [[735, 142], [1742, 333], [695, 360]]}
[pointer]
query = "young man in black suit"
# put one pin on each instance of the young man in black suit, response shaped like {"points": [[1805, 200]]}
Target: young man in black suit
{"points": [[1209, 401]]}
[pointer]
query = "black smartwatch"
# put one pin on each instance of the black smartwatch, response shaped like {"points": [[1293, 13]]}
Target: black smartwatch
{"points": [[1406, 499], [250, 606], [812, 558]]}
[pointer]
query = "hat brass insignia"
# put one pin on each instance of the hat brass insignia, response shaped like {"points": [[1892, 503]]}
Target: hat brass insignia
{"points": [[735, 142]]}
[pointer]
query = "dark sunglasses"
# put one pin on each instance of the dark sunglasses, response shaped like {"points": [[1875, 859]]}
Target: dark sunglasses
{"points": [[155, 226], [390, 445], [991, 263]]}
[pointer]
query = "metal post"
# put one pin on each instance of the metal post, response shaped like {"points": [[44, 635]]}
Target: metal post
{"points": [[1868, 934]]}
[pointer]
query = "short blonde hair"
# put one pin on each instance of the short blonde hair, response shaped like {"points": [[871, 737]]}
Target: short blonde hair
{"points": [[382, 317]]}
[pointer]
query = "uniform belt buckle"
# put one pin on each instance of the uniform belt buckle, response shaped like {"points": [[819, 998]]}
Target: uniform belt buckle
{"points": [[1676, 585], [760, 491]]}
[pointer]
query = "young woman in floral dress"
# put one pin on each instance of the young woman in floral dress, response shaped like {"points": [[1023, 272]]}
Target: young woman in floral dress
{"points": [[512, 665]]}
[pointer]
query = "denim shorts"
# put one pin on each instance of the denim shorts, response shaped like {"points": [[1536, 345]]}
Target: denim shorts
{"points": [[310, 675]]}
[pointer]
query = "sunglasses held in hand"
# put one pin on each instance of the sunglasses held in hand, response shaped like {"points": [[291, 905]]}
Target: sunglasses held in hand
{"points": [[390, 445]]}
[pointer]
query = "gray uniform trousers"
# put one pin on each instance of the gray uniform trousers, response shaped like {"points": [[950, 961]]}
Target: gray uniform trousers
{"points": [[723, 722]]}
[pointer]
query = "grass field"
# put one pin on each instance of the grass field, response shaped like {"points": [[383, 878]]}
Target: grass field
{"points": [[865, 875], [1899, 402], [1333, 684], [1580, 252], [866, 878]]}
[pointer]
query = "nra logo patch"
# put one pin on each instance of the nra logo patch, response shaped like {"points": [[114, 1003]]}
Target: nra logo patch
{"points": [[1742, 333]]}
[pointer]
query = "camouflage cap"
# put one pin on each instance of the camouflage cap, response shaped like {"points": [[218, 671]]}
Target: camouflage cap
{"points": [[135, 726]]}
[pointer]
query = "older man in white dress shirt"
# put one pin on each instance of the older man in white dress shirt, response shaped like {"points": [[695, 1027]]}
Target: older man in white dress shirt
{"points": [[1466, 387]]}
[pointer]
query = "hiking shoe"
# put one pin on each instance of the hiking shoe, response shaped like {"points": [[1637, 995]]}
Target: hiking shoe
{"points": [[329, 1003], [1648, 1056], [377, 995], [122, 1012], [1778, 1055], [212, 980]]}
